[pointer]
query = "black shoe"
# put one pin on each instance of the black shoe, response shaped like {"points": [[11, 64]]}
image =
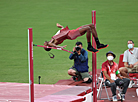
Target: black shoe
{"points": [[101, 46], [74, 78], [91, 49], [77, 78]]}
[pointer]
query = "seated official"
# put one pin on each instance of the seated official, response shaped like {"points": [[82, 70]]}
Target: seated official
{"points": [[80, 68], [130, 60], [112, 76]]}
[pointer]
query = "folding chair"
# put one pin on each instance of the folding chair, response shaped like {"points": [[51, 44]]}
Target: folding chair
{"points": [[101, 86]]}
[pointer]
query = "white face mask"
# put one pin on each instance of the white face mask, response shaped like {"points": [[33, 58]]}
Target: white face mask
{"points": [[130, 46], [110, 58]]}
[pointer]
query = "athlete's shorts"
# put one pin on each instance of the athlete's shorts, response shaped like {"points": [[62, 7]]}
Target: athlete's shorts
{"points": [[133, 70], [82, 74], [73, 34]]}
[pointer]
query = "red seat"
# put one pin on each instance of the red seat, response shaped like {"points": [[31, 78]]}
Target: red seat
{"points": [[134, 75], [121, 64]]}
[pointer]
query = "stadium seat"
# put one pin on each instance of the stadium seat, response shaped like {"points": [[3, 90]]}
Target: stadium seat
{"points": [[121, 63], [133, 76]]}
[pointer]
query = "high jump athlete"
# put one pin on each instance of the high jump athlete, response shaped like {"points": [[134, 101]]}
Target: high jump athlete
{"points": [[65, 33]]}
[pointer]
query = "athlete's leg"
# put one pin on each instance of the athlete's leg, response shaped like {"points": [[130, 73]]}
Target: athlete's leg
{"points": [[94, 32], [91, 28], [87, 29]]}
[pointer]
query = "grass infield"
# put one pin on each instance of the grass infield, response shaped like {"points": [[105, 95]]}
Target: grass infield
{"points": [[116, 22]]}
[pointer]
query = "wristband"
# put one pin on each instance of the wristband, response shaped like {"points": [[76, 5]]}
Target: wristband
{"points": [[117, 72]]}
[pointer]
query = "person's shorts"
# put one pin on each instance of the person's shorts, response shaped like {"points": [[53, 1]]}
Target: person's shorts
{"points": [[73, 34], [133, 70], [82, 74]]}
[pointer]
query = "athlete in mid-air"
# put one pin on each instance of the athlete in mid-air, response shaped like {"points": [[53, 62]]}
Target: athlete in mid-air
{"points": [[65, 33]]}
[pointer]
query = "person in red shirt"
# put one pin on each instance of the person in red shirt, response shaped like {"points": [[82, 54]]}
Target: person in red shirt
{"points": [[112, 76], [65, 33]]}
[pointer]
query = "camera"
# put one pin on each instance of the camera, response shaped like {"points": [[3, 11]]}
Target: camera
{"points": [[77, 48]]}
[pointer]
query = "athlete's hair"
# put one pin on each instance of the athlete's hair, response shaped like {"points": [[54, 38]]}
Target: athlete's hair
{"points": [[47, 49]]}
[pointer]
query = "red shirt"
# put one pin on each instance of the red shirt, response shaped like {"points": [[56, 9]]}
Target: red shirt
{"points": [[111, 69], [63, 35]]}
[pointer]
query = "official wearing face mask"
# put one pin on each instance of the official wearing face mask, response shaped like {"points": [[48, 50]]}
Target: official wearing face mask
{"points": [[112, 76], [130, 60]]}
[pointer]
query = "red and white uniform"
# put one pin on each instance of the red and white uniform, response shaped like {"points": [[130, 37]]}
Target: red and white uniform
{"points": [[111, 69], [65, 33]]}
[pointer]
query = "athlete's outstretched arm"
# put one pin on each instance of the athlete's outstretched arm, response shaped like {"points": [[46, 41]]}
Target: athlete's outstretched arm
{"points": [[54, 45], [53, 42], [59, 26]]}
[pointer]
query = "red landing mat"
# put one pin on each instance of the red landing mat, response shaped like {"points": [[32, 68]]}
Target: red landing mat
{"points": [[60, 98], [19, 92]]}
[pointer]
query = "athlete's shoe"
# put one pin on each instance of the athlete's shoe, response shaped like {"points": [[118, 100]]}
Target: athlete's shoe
{"points": [[91, 49], [77, 78], [101, 46]]}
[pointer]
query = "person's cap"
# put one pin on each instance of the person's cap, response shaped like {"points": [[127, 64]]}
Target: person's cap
{"points": [[110, 52]]}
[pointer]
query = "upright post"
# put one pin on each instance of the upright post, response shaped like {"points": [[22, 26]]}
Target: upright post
{"points": [[30, 60], [94, 67]]}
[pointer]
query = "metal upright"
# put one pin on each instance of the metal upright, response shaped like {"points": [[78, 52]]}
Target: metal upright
{"points": [[94, 61]]}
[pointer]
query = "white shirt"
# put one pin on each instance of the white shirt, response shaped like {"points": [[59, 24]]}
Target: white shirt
{"points": [[58, 32], [131, 57]]}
